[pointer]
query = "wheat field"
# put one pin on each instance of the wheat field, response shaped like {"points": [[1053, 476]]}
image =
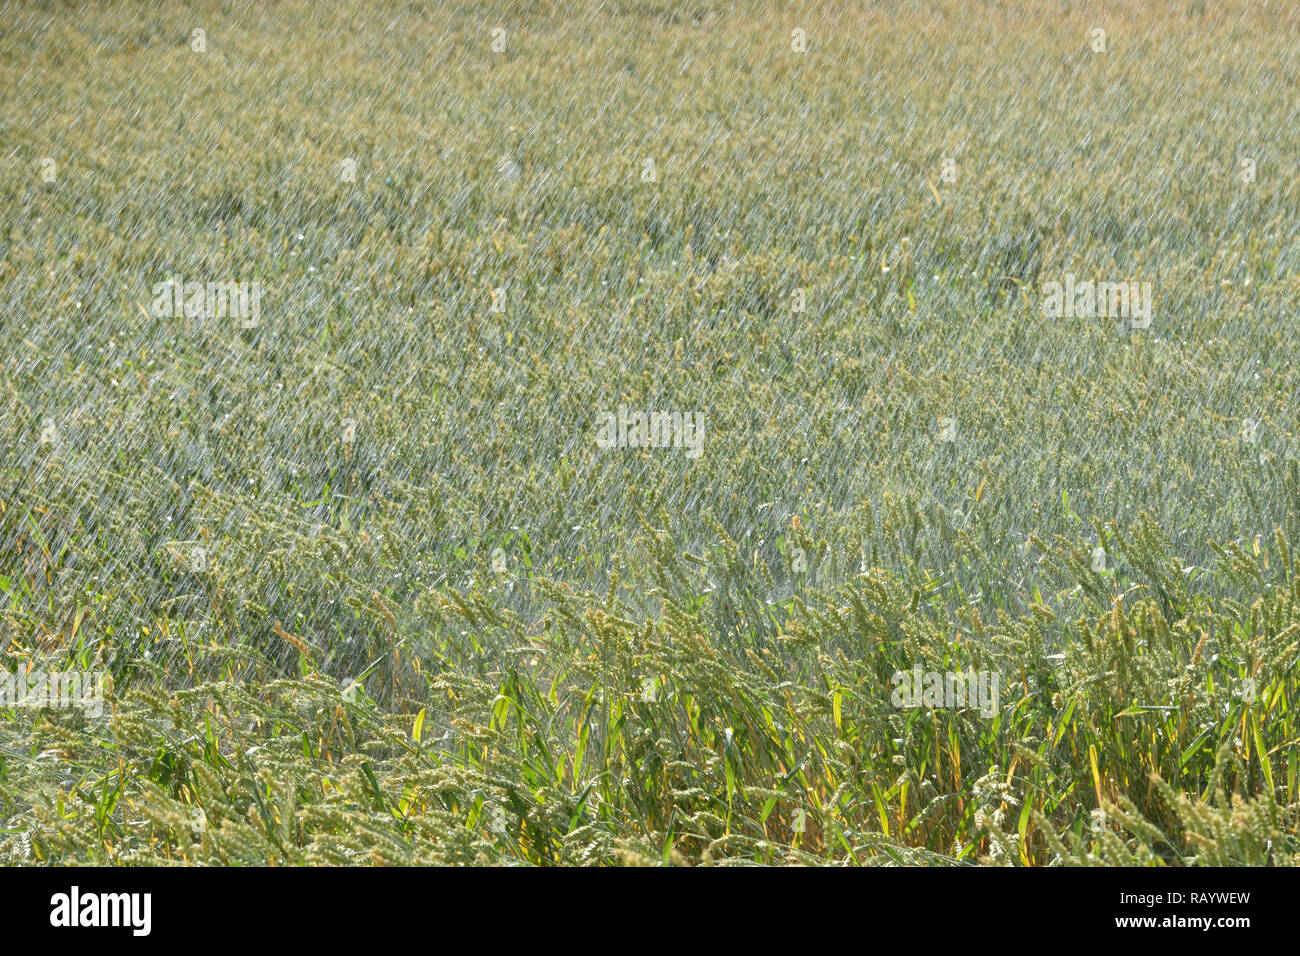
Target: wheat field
{"points": [[649, 434]]}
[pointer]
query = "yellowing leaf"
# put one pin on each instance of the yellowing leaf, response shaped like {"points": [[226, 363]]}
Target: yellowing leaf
{"points": [[1096, 773]]}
